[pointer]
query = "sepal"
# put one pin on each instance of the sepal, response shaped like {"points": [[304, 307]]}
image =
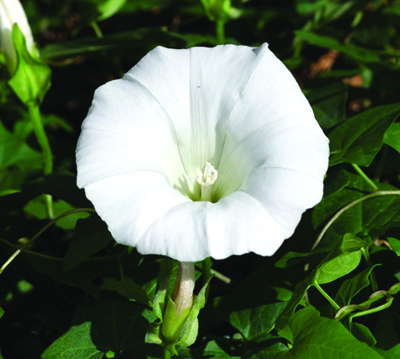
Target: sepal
{"points": [[31, 78]]}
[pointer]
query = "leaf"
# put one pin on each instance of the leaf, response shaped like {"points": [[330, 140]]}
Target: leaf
{"points": [[293, 258], [392, 136], [127, 288], [328, 103], [14, 151], [342, 260], [359, 139], [316, 337], [126, 41], [116, 324], [373, 216], [109, 8], [74, 344], [256, 323], [37, 208], [295, 300], [358, 53], [91, 235], [1, 312], [363, 334], [352, 286], [393, 353], [270, 352], [99, 327], [395, 244]]}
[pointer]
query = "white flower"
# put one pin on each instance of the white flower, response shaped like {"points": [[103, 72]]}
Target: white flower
{"points": [[11, 12], [202, 152]]}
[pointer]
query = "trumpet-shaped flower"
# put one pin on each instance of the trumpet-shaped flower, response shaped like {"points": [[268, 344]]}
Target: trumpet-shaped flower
{"points": [[202, 152], [11, 12]]}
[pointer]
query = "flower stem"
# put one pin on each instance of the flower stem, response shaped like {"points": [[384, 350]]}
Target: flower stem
{"points": [[365, 177], [47, 226], [184, 286], [327, 296], [220, 30], [36, 119], [347, 207]]}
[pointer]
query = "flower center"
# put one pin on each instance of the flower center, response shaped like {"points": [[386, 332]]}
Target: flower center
{"points": [[206, 179]]}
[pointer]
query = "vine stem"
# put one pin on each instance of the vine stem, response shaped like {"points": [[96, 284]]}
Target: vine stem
{"points": [[347, 207], [36, 119], [47, 226], [365, 177]]}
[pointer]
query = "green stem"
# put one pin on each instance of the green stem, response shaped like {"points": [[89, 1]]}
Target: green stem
{"points": [[220, 30], [327, 296], [372, 277], [365, 177], [347, 207], [96, 29], [36, 119], [47, 226]]}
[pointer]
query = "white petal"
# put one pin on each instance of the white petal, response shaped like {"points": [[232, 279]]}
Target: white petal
{"points": [[130, 203], [126, 131], [193, 231]]}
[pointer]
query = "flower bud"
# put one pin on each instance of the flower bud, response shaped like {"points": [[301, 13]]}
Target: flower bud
{"points": [[11, 12], [178, 308]]}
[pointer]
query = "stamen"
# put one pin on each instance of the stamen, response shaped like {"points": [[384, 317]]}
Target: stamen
{"points": [[206, 179]]}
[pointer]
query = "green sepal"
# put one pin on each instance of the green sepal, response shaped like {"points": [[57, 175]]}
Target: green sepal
{"points": [[161, 295], [31, 79], [173, 322]]}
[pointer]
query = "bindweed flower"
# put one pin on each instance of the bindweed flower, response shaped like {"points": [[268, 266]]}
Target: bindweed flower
{"points": [[202, 152], [11, 12]]}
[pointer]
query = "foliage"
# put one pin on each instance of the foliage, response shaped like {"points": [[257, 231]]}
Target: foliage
{"points": [[330, 291]]}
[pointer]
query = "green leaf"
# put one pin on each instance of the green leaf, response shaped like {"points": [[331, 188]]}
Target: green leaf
{"points": [[359, 139], [116, 325], [126, 287], [1, 312], [37, 209], [99, 327], [74, 344], [352, 286], [14, 151], [293, 258], [328, 103], [256, 323], [342, 260], [31, 79], [363, 334], [295, 300], [395, 244], [109, 8], [392, 136], [316, 337], [91, 235], [393, 353], [358, 53], [146, 38]]}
